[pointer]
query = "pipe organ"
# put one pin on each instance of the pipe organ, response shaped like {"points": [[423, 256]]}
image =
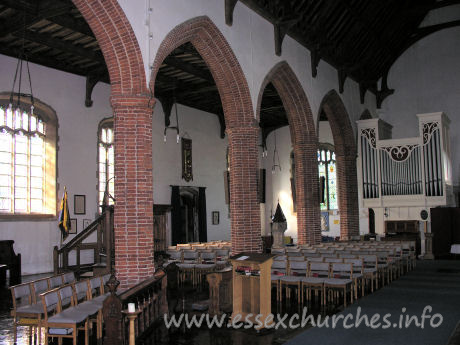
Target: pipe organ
{"points": [[412, 172]]}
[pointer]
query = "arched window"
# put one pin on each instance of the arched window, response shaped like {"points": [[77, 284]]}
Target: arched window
{"points": [[327, 168], [106, 159], [27, 159]]}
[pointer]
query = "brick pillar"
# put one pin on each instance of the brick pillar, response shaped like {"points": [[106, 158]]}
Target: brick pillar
{"points": [[347, 183], [307, 193], [244, 203], [133, 189]]}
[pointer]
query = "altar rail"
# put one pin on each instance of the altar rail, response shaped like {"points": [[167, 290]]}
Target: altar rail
{"points": [[418, 168]]}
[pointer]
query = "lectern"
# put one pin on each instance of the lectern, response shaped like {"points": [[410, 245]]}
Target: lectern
{"points": [[252, 286]]}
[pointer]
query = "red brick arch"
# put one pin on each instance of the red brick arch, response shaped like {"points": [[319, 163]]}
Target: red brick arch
{"points": [[133, 158], [118, 43], [346, 152], [305, 143], [242, 129]]}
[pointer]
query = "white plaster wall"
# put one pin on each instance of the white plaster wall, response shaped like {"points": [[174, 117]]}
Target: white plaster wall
{"points": [[77, 161], [77, 156], [250, 38], [209, 163], [425, 79]]}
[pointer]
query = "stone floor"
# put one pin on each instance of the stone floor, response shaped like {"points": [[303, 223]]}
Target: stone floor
{"points": [[434, 283]]}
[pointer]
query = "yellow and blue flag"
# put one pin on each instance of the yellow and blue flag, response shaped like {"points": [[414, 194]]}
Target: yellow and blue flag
{"points": [[64, 216]]}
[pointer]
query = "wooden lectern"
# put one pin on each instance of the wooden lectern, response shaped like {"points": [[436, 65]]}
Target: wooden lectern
{"points": [[252, 285]]}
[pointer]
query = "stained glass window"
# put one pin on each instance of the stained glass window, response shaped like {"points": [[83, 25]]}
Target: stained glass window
{"points": [[106, 160], [327, 168], [22, 162]]}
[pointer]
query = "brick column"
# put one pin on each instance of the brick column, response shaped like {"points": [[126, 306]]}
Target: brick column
{"points": [[244, 203], [307, 193], [133, 189], [347, 183]]}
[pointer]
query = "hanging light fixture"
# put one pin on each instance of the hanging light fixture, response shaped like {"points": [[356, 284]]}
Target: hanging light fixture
{"points": [[22, 60], [176, 127], [276, 157]]}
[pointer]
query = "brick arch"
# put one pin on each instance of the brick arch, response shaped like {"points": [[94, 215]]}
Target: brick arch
{"points": [[346, 152], [241, 127], [231, 82], [305, 143], [118, 43], [133, 218]]}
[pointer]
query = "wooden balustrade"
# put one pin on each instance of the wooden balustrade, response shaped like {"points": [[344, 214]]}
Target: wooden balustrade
{"points": [[151, 303], [102, 248]]}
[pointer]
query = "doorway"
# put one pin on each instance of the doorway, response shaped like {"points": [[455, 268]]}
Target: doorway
{"points": [[188, 213], [371, 221]]}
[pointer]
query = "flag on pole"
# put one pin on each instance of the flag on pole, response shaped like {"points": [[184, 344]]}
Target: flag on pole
{"points": [[64, 216]]}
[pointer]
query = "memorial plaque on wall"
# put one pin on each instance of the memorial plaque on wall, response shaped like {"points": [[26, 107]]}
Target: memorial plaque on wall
{"points": [[187, 173]]}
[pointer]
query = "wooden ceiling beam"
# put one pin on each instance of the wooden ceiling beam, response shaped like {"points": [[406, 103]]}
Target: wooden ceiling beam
{"points": [[189, 68], [69, 22], [178, 85], [50, 62], [30, 6], [229, 8], [61, 45], [27, 19]]}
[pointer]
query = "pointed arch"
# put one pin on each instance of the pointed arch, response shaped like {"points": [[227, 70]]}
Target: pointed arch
{"points": [[118, 43], [345, 151], [133, 218], [305, 143], [241, 127]]}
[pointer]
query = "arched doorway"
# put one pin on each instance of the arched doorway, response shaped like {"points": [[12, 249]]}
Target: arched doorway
{"points": [[304, 142]]}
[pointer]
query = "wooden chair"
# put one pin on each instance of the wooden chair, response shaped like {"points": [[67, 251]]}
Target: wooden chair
{"points": [[55, 281], [297, 271], [371, 270], [187, 266], [62, 323], [358, 275], [208, 264], [341, 279], [68, 278], [222, 256], [278, 270], [317, 273], [25, 311]]}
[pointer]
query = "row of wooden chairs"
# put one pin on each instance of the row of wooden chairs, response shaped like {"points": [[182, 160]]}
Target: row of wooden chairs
{"points": [[195, 264], [73, 307], [369, 262], [27, 305], [202, 245], [27, 300], [325, 278]]}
